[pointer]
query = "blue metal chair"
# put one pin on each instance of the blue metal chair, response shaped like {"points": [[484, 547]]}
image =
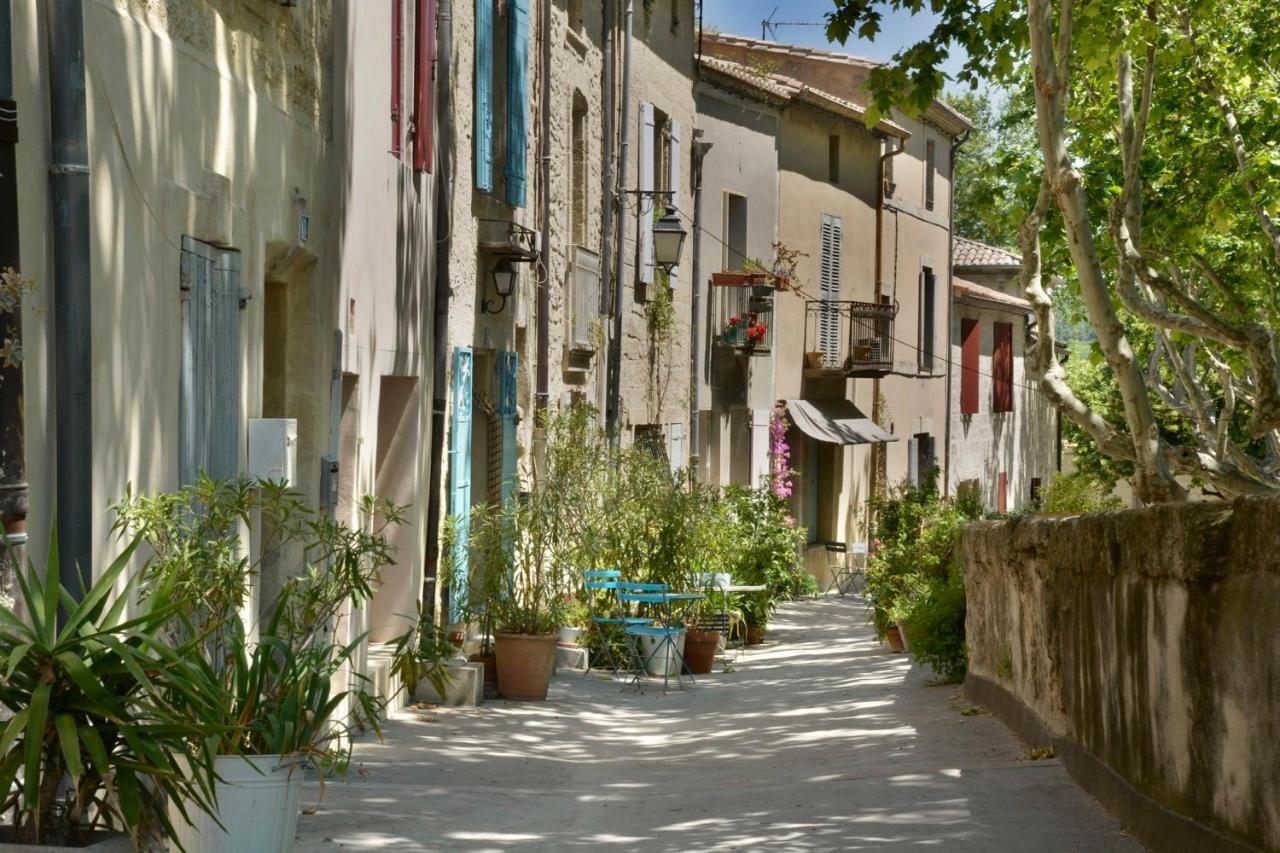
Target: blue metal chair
{"points": [[604, 581], [657, 626]]}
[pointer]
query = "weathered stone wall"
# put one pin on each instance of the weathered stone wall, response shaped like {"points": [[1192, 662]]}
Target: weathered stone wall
{"points": [[1145, 644]]}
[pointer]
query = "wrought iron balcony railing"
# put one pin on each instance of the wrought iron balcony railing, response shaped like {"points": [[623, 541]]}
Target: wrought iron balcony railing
{"points": [[743, 317], [853, 338]]}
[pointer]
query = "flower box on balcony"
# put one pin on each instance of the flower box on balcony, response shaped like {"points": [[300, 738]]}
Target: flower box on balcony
{"points": [[750, 279]]}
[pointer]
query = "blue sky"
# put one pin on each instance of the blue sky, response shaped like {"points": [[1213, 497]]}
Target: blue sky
{"points": [[743, 17]]}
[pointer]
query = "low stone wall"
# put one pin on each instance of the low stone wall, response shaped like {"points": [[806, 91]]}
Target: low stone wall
{"points": [[1144, 645]]}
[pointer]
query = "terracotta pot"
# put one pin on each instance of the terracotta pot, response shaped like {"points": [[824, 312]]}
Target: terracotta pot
{"points": [[755, 635], [813, 360], [893, 637], [700, 651], [525, 662], [490, 667]]}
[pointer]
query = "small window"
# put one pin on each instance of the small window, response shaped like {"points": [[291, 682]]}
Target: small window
{"points": [[735, 231], [578, 165], [930, 168], [890, 145], [1035, 490], [922, 462], [927, 310], [833, 158]]}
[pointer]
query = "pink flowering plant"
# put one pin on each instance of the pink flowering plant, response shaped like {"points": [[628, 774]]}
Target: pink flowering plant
{"points": [[780, 455]]}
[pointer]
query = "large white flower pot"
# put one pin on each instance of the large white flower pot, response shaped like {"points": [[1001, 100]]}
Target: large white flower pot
{"points": [[665, 661], [259, 810], [569, 636]]}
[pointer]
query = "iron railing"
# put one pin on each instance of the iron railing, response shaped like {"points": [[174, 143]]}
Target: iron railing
{"points": [[743, 318], [584, 301], [855, 338]]}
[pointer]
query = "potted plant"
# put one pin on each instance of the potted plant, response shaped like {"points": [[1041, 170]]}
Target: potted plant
{"points": [[813, 359], [575, 621], [275, 694], [98, 735]]}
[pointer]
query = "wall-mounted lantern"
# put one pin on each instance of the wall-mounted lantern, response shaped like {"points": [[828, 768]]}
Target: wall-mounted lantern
{"points": [[504, 284], [668, 240]]}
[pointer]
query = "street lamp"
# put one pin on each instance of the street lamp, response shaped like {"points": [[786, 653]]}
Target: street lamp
{"points": [[668, 240], [504, 284]]}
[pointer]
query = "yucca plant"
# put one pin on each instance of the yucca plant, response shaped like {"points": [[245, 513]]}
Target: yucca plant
{"points": [[99, 730]]}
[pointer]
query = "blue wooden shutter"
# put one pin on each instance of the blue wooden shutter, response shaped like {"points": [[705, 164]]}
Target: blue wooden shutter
{"points": [[508, 364], [209, 382], [517, 100], [460, 473], [644, 226], [484, 95], [673, 184]]}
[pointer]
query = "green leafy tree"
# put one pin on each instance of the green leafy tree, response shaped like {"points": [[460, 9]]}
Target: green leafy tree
{"points": [[1153, 202]]}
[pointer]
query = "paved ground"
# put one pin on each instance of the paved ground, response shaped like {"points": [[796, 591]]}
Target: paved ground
{"points": [[819, 740]]}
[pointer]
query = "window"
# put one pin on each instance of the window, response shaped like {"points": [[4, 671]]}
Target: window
{"points": [[578, 169], [397, 72], [658, 174], [928, 300], [209, 412], [1002, 367], [484, 105], [829, 288], [735, 231], [662, 155], [922, 462], [930, 168], [970, 343], [1035, 490], [888, 147], [833, 158]]}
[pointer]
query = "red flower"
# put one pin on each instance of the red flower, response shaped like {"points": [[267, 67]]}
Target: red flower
{"points": [[733, 321]]}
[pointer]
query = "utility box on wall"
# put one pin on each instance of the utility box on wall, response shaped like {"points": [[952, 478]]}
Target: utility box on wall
{"points": [[273, 449]]}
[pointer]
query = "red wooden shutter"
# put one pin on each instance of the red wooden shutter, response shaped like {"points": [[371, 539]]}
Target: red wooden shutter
{"points": [[1002, 367], [397, 48], [1002, 492], [970, 342], [424, 58]]}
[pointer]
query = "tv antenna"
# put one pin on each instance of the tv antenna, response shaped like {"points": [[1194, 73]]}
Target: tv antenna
{"points": [[769, 25]]}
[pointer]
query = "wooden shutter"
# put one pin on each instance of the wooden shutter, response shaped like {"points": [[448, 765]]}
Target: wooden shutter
{"points": [[913, 461], [517, 100], [928, 309], [675, 452], [209, 412], [832, 239], [397, 53], [484, 96], [424, 58], [644, 225], [930, 171], [460, 473], [508, 382], [673, 184], [1002, 367], [970, 351], [1002, 492]]}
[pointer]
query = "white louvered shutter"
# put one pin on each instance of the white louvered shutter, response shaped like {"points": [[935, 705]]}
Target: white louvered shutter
{"points": [[829, 288], [644, 224], [673, 184]]}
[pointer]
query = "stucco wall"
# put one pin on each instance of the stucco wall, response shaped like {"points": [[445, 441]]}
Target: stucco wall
{"points": [[1144, 643]]}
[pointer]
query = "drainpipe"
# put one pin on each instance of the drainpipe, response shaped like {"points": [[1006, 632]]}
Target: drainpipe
{"points": [[443, 225], [876, 412], [72, 293], [951, 256], [700, 150], [13, 469], [543, 332], [613, 412], [606, 172]]}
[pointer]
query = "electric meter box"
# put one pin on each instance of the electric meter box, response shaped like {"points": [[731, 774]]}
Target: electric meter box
{"points": [[328, 482], [273, 449]]}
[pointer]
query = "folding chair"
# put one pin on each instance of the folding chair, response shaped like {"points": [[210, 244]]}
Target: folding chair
{"points": [[838, 566], [858, 555], [656, 627], [605, 581]]}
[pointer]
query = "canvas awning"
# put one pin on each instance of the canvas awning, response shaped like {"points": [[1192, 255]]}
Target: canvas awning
{"points": [[835, 422]]}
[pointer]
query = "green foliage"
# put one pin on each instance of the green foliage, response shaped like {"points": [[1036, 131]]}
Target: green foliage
{"points": [[421, 652], [99, 702], [913, 576], [1077, 492]]}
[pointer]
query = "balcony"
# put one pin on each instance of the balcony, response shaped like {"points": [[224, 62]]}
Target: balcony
{"points": [[742, 316], [584, 300], [848, 338]]}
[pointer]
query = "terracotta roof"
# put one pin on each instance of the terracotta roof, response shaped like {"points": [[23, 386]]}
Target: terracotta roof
{"points": [[970, 253], [969, 291], [786, 90], [952, 119]]}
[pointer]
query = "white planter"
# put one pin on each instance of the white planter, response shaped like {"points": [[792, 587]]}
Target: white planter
{"points": [[666, 661], [569, 636], [259, 809]]}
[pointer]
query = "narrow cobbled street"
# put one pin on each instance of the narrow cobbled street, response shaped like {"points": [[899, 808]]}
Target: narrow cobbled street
{"points": [[819, 740]]}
